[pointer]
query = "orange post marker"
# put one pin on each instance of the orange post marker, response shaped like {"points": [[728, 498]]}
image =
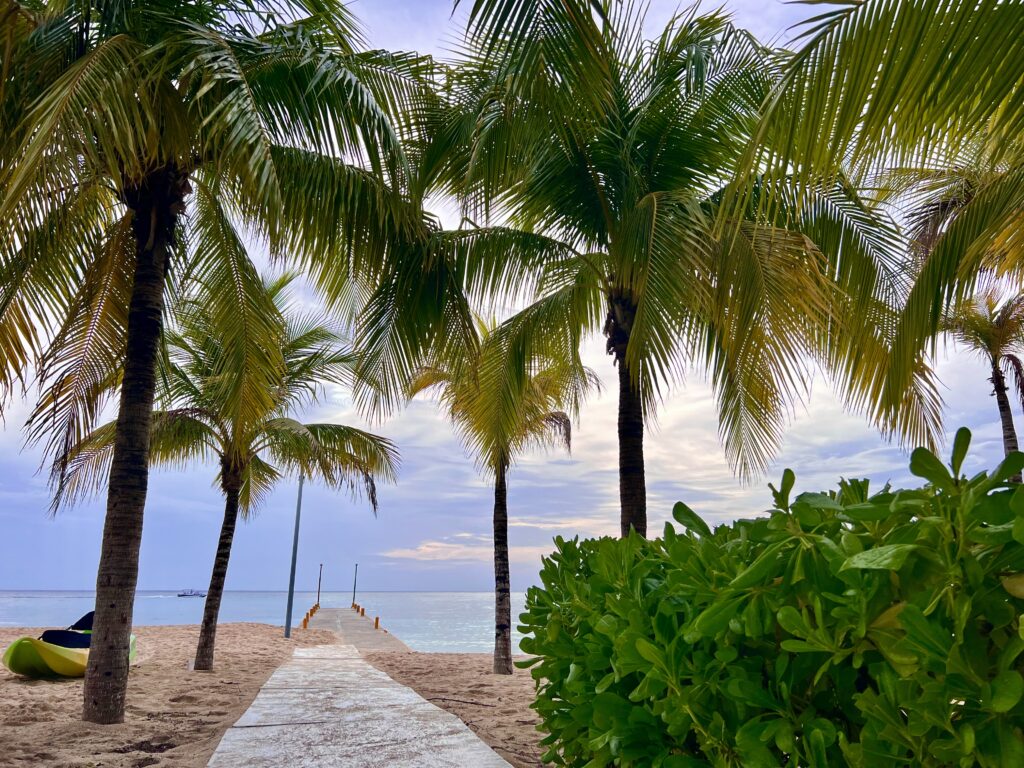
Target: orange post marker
{"points": [[376, 622], [362, 611]]}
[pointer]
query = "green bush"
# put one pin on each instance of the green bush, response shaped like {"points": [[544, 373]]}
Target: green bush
{"points": [[840, 629]]}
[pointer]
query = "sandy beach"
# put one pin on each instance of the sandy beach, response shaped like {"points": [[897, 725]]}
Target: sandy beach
{"points": [[495, 707], [174, 717]]}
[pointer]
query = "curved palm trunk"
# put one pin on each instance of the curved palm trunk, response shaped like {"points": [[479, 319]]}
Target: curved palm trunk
{"points": [[231, 484], [1005, 414], [632, 482], [502, 587], [156, 204]]}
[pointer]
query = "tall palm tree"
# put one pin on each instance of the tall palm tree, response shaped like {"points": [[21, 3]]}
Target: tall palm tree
{"points": [[994, 330], [117, 118], [908, 83], [498, 420], [614, 152], [253, 450]]}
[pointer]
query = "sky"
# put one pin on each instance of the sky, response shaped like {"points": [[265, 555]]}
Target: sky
{"points": [[433, 531]]}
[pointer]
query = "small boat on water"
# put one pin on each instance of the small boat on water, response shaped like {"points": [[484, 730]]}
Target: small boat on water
{"points": [[191, 593]]}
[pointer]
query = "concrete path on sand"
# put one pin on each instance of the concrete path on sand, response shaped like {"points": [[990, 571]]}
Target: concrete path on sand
{"points": [[329, 708]]}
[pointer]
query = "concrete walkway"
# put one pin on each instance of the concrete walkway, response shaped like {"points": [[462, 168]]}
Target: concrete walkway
{"points": [[328, 708], [356, 630]]}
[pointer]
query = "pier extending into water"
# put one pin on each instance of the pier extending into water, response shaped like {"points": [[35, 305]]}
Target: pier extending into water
{"points": [[356, 630]]}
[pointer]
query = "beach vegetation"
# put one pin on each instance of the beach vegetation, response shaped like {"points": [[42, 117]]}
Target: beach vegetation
{"points": [[254, 447], [499, 419], [141, 141], [853, 627]]}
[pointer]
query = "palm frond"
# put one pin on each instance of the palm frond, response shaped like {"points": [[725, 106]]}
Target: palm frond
{"points": [[1013, 364], [342, 457], [81, 367], [237, 310], [177, 438]]}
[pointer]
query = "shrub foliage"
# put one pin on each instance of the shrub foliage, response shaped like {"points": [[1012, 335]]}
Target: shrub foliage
{"points": [[842, 628]]}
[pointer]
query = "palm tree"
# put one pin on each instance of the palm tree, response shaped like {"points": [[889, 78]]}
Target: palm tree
{"points": [[253, 450], [934, 200], [117, 117], [614, 152], [909, 83], [994, 330], [498, 420]]}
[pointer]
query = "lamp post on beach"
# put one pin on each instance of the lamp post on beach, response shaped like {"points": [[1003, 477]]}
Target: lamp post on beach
{"points": [[295, 554], [355, 576]]}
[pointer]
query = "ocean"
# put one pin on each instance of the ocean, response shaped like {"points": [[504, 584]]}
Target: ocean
{"points": [[439, 622]]}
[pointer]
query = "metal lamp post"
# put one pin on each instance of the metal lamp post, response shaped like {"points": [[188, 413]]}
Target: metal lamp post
{"points": [[295, 554]]}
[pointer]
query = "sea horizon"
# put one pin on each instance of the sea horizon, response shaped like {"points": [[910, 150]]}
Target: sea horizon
{"points": [[428, 621]]}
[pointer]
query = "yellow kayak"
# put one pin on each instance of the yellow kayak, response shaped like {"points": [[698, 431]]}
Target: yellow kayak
{"points": [[34, 657]]}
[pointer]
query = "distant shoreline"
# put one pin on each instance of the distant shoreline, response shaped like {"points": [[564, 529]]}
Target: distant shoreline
{"points": [[430, 622]]}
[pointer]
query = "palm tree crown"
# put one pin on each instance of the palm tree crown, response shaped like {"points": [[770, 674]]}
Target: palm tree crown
{"points": [[614, 152], [197, 421], [994, 329]]}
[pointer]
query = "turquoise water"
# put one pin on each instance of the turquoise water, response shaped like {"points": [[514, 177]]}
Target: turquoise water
{"points": [[442, 622]]}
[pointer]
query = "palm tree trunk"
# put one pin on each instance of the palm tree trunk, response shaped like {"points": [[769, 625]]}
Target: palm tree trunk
{"points": [[632, 482], [155, 204], [1005, 414], [502, 586], [231, 483]]}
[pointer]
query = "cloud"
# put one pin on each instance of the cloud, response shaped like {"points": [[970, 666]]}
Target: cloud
{"points": [[447, 551], [597, 525]]}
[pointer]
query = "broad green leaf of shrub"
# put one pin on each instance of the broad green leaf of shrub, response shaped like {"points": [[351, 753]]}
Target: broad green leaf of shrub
{"points": [[961, 443], [890, 557], [1009, 467], [758, 570], [924, 463], [1007, 690], [781, 494], [689, 519]]}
